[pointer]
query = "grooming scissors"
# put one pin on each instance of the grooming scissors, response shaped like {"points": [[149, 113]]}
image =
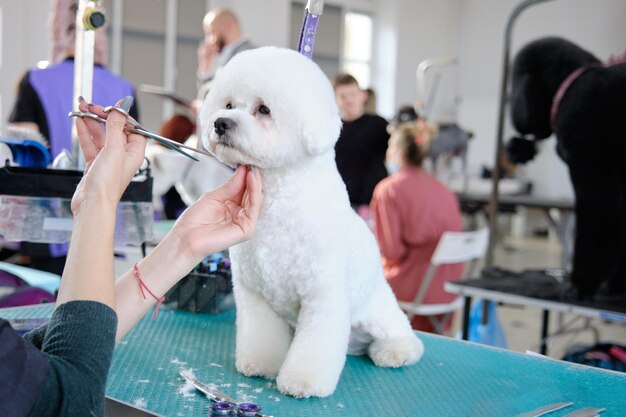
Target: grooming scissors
{"points": [[213, 393], [134, 127]]}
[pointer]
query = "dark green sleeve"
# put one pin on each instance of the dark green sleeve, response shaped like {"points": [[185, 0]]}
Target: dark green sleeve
{"points": [[79, 342], [37, 336]]}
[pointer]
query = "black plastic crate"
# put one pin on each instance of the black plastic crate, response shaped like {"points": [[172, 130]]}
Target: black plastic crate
{"points": [[207, 290]]}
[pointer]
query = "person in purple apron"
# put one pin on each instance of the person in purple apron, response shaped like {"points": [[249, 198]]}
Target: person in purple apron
{"points": [[44, 99]]}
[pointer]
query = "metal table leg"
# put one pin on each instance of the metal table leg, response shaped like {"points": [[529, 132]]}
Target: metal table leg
{"points": [[544, 332], [467, 305]]}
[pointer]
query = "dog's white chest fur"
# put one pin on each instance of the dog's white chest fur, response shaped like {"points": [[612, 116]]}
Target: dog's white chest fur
{"points": [[302, 242]]}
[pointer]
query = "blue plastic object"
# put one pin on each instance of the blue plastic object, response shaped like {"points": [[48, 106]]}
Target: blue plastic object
{"points": [[33, 277], [28, 153], [490, 333]]}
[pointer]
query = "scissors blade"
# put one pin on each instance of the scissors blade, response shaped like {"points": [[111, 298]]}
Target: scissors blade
{"points": [[178, 145], [167, 144], [87, 115], [546, 409], [209, 391], [586, 412], [164, 141]]}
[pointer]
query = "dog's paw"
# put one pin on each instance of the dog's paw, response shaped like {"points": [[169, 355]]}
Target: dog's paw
{"points": [[396, 352], [257, 368], [303, 384]]}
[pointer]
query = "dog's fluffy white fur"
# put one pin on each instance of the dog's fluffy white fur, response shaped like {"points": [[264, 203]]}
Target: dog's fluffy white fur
{"points": [[309, 285]]}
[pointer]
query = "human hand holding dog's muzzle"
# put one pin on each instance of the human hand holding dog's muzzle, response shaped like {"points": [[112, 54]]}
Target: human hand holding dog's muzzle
{"points": [[219, 219]]}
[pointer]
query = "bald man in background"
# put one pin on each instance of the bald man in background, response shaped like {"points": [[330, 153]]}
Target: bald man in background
{"points": [[223, 39]]}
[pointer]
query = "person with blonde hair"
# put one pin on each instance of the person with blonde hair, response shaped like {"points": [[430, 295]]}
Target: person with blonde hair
{"points": [[411, 210]]}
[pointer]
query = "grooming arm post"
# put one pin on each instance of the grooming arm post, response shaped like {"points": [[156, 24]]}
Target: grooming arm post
{"points": [[493, 203], [87, 21]]}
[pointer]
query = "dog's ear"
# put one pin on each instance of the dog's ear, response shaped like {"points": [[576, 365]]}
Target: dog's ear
{"points": [[320, 133], [530, 106]]}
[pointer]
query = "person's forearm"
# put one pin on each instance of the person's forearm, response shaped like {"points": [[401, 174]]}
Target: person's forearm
{"points": [[88, 273], [160, 270]]}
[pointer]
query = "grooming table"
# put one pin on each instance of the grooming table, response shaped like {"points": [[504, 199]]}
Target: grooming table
{"points": [[471, 203], [454, 378], [537, 291]]}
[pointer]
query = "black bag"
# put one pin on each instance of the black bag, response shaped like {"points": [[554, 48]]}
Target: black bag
{"points": [[603, 355], [207, 289]]}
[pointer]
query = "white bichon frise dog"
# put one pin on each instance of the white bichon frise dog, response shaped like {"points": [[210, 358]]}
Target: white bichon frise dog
{"points": [[309, 285]]}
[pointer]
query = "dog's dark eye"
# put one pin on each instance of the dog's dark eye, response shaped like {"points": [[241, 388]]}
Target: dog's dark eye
{"points": [[263, 109], [229, 106]]}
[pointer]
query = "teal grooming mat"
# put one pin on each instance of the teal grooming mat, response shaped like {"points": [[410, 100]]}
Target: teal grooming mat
{"points": [[453, 378]]}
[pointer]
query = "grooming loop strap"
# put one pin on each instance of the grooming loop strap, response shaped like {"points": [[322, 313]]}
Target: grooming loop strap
{"points": [[309, 27]]}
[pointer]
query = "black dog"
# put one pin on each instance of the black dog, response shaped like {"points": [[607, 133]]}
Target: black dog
{"points": [[559, 87]]}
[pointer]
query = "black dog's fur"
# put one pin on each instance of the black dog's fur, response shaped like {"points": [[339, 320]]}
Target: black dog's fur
{"points": [[590, 139]]}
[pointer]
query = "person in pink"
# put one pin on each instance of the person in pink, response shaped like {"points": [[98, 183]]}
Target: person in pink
{"points": [[411, 210]]}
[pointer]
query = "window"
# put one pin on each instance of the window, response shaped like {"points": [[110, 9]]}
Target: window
{"points": [[357, 47]]}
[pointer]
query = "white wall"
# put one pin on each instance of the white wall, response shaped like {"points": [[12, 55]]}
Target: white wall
{"points": [[425, 29]]}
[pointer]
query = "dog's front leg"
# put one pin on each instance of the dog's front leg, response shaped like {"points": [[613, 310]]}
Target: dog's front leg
{"points": [[263, 337], [318, 351]]}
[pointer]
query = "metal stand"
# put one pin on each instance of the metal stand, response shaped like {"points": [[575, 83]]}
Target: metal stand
{"points": [[493, 204], [83, 65]]}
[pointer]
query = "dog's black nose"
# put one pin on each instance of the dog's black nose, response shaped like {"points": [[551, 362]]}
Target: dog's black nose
{"points": [[223, 124]]}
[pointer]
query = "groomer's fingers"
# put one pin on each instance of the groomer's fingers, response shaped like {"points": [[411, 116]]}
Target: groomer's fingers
{"points": [[95, 129], [245, 215], [136, 148], [115, 128], [254, 193], [86, 142], [96, 109], [233, 188]]}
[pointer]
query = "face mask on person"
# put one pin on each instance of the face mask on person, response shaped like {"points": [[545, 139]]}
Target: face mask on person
{"points": [[392, 167]]}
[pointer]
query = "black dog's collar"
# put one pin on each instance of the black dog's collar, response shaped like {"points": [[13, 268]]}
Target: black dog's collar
{"points": [[565, 85], [569, 80]]}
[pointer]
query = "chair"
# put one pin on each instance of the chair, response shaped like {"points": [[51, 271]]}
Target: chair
{"points": [[453, 247]]}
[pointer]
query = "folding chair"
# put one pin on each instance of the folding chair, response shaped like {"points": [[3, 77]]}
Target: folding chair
{"points": [[453, 247]]}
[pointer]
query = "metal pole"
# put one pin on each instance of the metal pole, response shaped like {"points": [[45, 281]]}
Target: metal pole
{"points": [[493, 202], [169, 64], [88, 19], [116, 24], [427, 98]]}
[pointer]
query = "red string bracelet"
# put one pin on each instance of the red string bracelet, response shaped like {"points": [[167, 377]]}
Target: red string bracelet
{"points": [[143, 285]]}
